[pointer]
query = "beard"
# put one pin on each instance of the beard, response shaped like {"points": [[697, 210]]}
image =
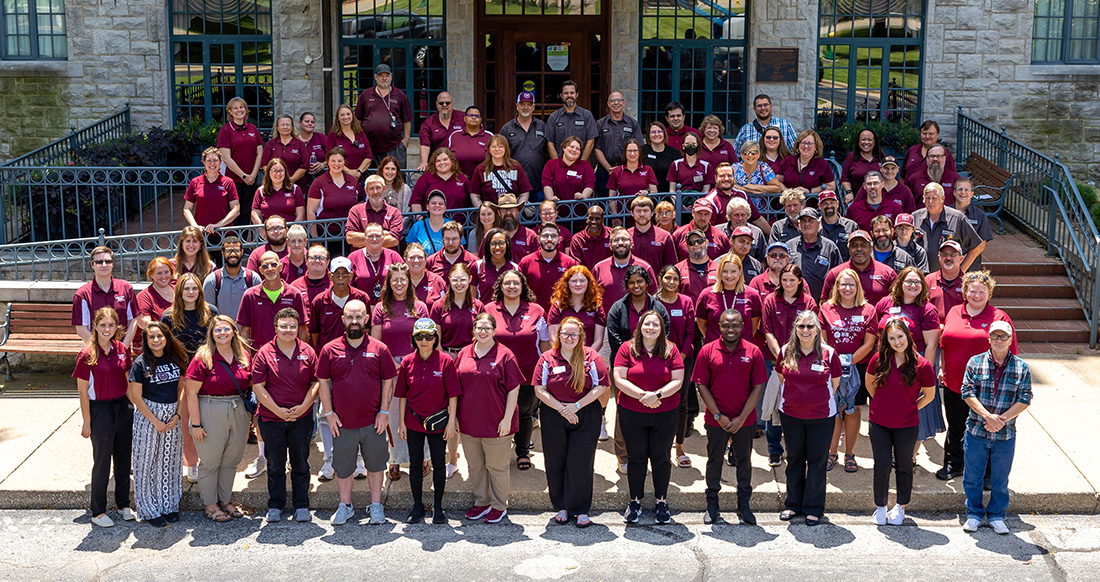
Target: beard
{"points": [[276, 242], [621, 253], [355, 331], [935, 172], [509, 223], [232, 260]]}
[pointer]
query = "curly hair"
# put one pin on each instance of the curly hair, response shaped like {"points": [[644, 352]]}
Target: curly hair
{"points": [[525, 292], [593, 296]]}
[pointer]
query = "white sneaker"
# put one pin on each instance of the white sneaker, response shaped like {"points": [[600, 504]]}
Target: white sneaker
{"points": [[377, 514], [603, 431], [103, 521], [622, 468], [344, 512], [998, 526], [972, 525], [879, 516], [257, 468], [327, 473], [127, 514], [451, 470], [360, 469], [193, 474], [896, 515]]}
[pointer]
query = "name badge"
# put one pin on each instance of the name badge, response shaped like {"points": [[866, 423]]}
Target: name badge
{"points": [[817, 368], [578, 122], [572, 173], [857, 319], [651, 156], [676, 313], [539, 133], [823, 261], [558, 370], [698, 178], [895, 310]]}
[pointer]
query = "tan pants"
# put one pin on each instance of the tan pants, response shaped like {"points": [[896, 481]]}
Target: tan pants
{"points": [[490, 472], [226, 424]]}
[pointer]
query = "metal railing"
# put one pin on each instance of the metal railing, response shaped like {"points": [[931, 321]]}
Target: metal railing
{"points": [[1044, 200], [58, 152]]}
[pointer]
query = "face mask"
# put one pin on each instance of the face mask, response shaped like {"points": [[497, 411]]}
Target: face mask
{"points": [[691, 149]]}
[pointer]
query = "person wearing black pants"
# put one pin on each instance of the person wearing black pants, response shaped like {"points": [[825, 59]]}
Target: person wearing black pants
{"points": [[955, 412], [528, 404], [112, 423], [287, 440], [648, 437]]}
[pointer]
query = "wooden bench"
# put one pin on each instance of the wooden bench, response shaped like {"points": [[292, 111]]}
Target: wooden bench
{"points": [[990, 183], [38, 328]]}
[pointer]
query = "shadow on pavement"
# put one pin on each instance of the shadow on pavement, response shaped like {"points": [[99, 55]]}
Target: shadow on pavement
{"points": [[745, 536], [914, 538], [825, 535]]}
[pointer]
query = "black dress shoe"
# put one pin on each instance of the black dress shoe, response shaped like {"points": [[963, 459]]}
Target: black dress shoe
{"points": [[710, 516], [416, 514], [948, 473], [438, 517], [158, 521], [172, 517], [746, 514]]}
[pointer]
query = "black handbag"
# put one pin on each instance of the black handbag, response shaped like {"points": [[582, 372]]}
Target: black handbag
{"points": [[433, 422], [249, 398]]}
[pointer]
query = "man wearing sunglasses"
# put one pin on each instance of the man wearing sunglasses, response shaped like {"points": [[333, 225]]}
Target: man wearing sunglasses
{"points": [[438, 127], [104, 291]]}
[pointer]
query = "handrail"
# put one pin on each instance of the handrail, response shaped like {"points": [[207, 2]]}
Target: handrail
{"points": [[58, 152]]}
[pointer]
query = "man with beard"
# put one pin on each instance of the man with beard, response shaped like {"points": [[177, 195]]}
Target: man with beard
{"points": [[738, 212], [723, 193], [874, 277], [718, 244], [612, 131], [677, 126], [526, 137], [225, 287], [371, 262], [374, 209], [386, 115], [886, 252], [316, 280], [793, 201], [741, 245], [524, 240], [762, 107], [834, 226], [814, 254], [275, 233], [698, 271], [653, 245], [864, 209], [544, 268], [356, 374], [936, 170], [936, 223], [571, 119], [904, 227], [945, 286], [593, 244], [441, 261], [611, 271]]}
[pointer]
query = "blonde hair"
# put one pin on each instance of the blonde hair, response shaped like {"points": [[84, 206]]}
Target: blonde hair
{"points": [[206, 351], [834, 295], [576, 361], [722, 262]]}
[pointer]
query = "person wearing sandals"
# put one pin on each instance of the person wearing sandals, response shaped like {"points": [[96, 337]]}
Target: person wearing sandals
{"points": [[900, 382], [156, 389], [356, 375], [649, 371], [427, 390], [569, 378], [108, 418], [809, 372], [217, 377], [284, 377], [730, 374]]}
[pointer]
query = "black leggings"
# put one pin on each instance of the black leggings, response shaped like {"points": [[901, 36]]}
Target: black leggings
{"points": [[648, 437], [437, 448], [112, 427], [570, 451], [893, 445], [527, 406]]}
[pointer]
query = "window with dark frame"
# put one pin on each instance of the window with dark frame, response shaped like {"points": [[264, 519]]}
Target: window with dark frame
{"points": [[1066, 32], [33, 30]]}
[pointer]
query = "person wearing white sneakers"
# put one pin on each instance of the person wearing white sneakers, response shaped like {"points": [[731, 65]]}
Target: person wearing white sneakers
{"points": [[900, 382], [997, 388]]}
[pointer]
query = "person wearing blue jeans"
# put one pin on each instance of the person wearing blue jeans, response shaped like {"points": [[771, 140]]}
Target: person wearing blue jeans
{"points": [[997, 388]]}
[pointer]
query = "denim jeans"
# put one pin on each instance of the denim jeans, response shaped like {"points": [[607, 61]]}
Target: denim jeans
{"points": [[999, 454]]}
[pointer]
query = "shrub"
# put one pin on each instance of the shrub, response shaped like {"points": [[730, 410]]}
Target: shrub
{"points": [[895, 138]]}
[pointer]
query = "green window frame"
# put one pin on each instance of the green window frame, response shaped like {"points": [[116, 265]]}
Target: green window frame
{"points": [[33, 30]]}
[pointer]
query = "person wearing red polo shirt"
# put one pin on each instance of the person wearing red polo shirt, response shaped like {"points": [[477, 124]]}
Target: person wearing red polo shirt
{"points": [[611, 271], [326, 310], [874, 277], [101, 372], [242, 148], [498, 174], [682, 326], [524, 240], [568, 379], [546, 267], [807, 169], [455, 312], [386, 115], [863, 210], [443, 174], [718, 243], [210, 200], [730, 375], [442, 261], [916, 157], [347, 134], [285, 145], [293, 265], [945, 286], [439, 126], [371, 262], [256, 316], [935, 170], [487, 417], [697, 271], [104, 291], [275, 232], [781, 307], [428, 287], [155, 299], [333, 194], [356, 375], [649, 372], [578, 295], [719, 198], [284, 379], [375, 209], [809, 372], [677, 126], [498, 258], [728, 292], [471, 143], [278, 195], [315, 281], [689, 173], [650, 244], [593, 244], [632, 177]]}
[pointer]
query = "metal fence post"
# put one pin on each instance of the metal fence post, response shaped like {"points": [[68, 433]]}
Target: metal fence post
{"points": [[102, 238], [1002, 148], [126, 117]]}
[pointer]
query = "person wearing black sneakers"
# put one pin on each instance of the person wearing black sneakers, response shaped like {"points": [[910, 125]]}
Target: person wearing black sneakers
{"points": [[730, 375]]}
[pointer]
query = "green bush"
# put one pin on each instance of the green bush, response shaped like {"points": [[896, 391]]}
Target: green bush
{"points": [[895, 137], [1088, 194], [1095, 211]]}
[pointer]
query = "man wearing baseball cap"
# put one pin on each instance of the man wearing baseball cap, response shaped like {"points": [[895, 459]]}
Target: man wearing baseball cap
{"points": [[718, 244], [526, 135], [904, 228], [814, 254], [834, 226], [874, 277], [885, 251], [741, 239], [892, 188], [945, 286], [386, 115], [697, 271]]}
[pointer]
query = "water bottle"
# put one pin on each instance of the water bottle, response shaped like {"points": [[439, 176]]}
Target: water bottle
{"points": [[312, 160]]}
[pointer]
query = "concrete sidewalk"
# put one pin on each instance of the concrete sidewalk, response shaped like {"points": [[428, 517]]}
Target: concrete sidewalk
{"points": [[44, 463]]}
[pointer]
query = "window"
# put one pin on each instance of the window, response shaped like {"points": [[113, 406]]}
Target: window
{"points": [[1065, 31], [693, 51], [543, 7], [407, 35], [870, 56], [221, 49], [33, 29]]}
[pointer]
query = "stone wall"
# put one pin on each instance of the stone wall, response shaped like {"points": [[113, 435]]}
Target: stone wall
{"points": [[299, 86], [785, 23], [624, 53], [460, 51]]}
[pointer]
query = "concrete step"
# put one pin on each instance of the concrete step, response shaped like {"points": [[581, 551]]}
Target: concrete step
{"points": [[1035, 308], [1047, 287], [1025, 268], [1056, 331]]}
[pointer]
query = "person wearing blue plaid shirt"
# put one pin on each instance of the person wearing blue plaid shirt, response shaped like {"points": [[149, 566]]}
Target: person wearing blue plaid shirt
{"points": [[997, 387], [751, 131]]}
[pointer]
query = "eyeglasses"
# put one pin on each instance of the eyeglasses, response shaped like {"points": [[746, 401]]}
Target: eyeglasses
{"points": [[697, 241], [424, 337], [473, 115], [912, 283], [443, 103], [320, 259], [279, 228], [773, 137], [776, 256], [269, 264], [103, 262], [223, 330], [569, 335], [1000, 337], [751, 153], [288, 326], [805, 326]]}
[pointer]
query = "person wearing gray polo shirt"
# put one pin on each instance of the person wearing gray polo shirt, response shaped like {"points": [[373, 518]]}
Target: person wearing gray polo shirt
{"points": [[936, 223], [571, 119], [526, 137], [225, 287], [612, 131]]}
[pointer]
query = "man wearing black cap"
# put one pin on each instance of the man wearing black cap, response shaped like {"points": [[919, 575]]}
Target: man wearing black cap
{"points": [[526, 137], [386, 115], [813, 253]]}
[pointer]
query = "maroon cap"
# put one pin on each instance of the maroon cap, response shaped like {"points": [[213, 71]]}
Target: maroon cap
{"points": [[889, 160], [827, 195], [741, 231], [701, 204], [906, 219], [526, 97], [859, 234]]}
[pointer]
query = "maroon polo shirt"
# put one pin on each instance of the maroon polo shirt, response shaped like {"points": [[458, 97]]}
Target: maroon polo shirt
{"points": [[434, 134], [875, 280], [625, 181], [326, 317], [861, 212], [779, 315], [468, 149], [292, 272], [918, 181], [216, 380], [371, 274], [542, 275], [257, 311], [556, 373], [648, 373], [965, 336], [357, 375], [486, 382], [242, 142], [521, 332], [691, 178], [894, 404], [589, 250], [730, 376], [151, 303], [488, 185], [108, 378], [719, 200], [807, 391], [453, 188], [286, 379], [438, 263], [316, 146], [845, 328], [564, 238], [611, 277], [675, 138], [654, 246], [294, 154], [336, 201], [524, 242], [718, 243], [944, 294], [430, 289], [284, 202], [355, 151], [311, 289], [855, 167], [721, 153], [568, 181], [486, 275], [681, 317], [815, 174], [915, 160], [211, 199], [763, 284], [710, 305], [456, 325], [397, 330], [900, 194], [426, 385], [253, 263], [692, 282], [362, 214], [383, 118], [589, 319], [90, 297], [919, 318]]}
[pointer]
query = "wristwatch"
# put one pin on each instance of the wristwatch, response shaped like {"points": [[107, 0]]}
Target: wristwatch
{"points": [[578, 404], [717, 415]]}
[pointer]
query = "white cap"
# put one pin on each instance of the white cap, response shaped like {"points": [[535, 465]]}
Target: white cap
{"points": [[1000, 326], [340, 262]]}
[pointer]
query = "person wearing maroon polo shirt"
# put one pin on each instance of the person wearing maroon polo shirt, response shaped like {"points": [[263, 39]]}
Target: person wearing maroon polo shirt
{"points": [[241, 147], [487, 417], [101, 371], [809, 372], [455, 312], [256, 316], [593, 244], [945, 286], [611, 271], [471, 143], [442, 261], [104, 291], [690, 173], [781, 307], [374, 209], [316, 144], [284, 378], [730, 375], [370, 262], [315, 281], [568, 379], [900, 382], [718, 243], [916, 157], [326, 310], [649, 243], [333, 194], [347, 134], [807, 169], [632, 177], [649, 372], [210, 200], [723, 193], [874, 277], [443, 174], [546, 267], [498, 174], [275, 232], [285, 145], [293, 265], [728, 292], [909, 300], [682, 326], [548, 212], [873, 204], [386, 115], [356, 375], [865, 157], [568, 177], [428, 286], [439, 126], [524, 240], [677, 126], [498, 258], [714, 150], [152, 301], [698, 271], [936, 170], [278, 195], [578, 295]]}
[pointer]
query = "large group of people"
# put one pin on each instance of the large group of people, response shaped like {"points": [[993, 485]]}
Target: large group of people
{"points": [[431, 333]]}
